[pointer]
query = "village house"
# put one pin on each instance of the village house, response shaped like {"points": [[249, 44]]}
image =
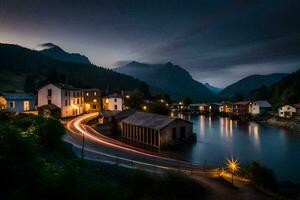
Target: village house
{"points": [[92, 100], [204, 107], [259, 107], [156, 130], [214, 107], [113, 102], [226, 107], [17, 102], [194, 108], [241, 108], [289, 111], [67, 99]]}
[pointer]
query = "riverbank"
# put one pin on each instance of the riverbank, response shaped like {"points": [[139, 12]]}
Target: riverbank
{"points": [[292, 124]]}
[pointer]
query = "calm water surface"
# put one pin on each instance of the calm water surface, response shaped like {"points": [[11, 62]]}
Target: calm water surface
{"points": [[219, 138]]}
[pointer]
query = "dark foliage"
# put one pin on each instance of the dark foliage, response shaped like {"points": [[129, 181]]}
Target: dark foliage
{"points": [[286, 91], [260, 176]]}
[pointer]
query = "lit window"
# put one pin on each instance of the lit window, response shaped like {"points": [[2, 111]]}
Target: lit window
{"points": [[106, 101], [95, 93], [87, 94], [94, 100]]}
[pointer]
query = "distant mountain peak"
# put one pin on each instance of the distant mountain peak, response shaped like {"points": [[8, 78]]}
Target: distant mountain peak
{"points": [[249, 83], [168, 78], [56, 52], [214, 89]]}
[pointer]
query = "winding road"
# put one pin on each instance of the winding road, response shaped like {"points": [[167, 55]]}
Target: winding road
{"points": [[100, 147]]}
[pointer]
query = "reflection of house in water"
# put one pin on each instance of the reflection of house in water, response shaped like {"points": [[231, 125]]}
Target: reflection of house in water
{"points": [[225, 126], [253, 131]]}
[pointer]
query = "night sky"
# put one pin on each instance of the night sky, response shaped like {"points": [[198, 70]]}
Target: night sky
{"points": [[217, 41]]}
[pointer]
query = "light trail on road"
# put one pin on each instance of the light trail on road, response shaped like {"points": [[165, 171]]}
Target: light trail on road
{"points": [[77, 126]]}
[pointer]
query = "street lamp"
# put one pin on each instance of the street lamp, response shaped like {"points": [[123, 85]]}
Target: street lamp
{"points": [[144, 107], [233, 166]]}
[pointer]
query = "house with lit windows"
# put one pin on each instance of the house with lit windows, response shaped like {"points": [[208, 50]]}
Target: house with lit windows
{"points": [[66, 98], [259, 107], [17, 102], [289, 111], [92, 100], [113, 101]]}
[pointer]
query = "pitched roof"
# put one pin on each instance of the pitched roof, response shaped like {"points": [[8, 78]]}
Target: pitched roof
{"points": [[242, 103], [109, 113], [194, 104], [114, 95], [61, 86], [203, 104], [150, 120], [18, 96], [125, 113], [91, 90], [263, 103], [297, 105]]}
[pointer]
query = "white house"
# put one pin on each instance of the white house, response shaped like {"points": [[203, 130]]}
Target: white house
{"points": [[113, 102], [259, 107], [287, 111], [67, 98]]}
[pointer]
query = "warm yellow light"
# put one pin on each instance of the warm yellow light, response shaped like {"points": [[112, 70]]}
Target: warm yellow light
{"points": [[162, 100], [232, 165], [107, 101], [94, 100], [87, 94], [144, 107], [180, 103], [167, 104], [127, 96]]}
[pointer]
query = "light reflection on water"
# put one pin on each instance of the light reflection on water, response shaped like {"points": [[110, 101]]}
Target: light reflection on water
{"points": [[219, 138]]}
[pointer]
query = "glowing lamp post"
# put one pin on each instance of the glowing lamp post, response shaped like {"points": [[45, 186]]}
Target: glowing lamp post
{"points": [[233, 166], [145, 108]]}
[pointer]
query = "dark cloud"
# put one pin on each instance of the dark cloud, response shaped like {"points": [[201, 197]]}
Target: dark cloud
{"points": [[217, 41]]}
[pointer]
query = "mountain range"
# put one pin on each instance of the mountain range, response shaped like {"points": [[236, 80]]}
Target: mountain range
{"points": [[170, 78], [58, 53], [246, 85], [18, 63]]}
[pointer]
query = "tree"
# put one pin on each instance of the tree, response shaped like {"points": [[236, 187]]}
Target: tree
{"points": [[30, 84], [260, 176], [50, 132], [136, 100], [187, 101], [238, 97], [158, 108], [144, 90]]}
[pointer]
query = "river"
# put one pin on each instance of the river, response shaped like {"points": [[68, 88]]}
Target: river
{"points": [[219, 138]]}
